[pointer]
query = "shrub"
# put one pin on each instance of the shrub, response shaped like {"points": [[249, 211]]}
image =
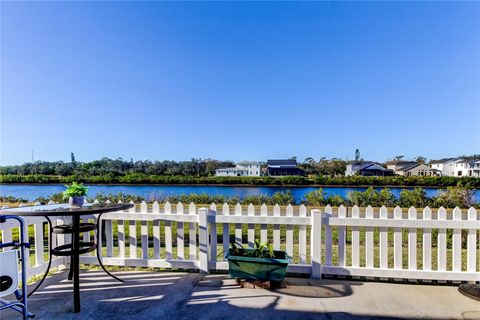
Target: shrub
{"points": [[416, 198], [283, 198], [335, 200], [315, 198], [454, 197]]}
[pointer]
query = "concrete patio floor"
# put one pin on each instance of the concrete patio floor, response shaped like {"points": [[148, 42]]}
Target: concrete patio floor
{"points": [[179, 295]]}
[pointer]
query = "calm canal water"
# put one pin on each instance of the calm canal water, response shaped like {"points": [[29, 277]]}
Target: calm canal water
{"points": [[32, 192]]}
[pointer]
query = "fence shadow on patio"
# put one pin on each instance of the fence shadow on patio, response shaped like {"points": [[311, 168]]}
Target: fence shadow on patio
{"points": [[300, 287]]}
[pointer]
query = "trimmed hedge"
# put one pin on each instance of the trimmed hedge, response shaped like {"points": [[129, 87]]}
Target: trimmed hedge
{"points": [[136, 178]]}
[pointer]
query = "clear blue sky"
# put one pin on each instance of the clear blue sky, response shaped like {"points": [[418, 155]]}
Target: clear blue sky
{"points": [[239, 80]]}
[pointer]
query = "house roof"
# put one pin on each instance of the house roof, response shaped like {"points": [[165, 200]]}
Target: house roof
{"points": [[400, 164], [374, 166], [357, 166], [282, 163], [248, 163], [408, 167], [444, 160]]}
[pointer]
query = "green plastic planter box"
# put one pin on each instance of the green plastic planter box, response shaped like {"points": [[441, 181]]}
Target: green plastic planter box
{"points": [[263, 269]]}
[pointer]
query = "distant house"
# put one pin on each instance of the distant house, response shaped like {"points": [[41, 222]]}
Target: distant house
{"points": [[395, 165], [244, 168], [416, 169], [367, 169], [412, 168], [467, 168], [283, 168], [445, 166]]}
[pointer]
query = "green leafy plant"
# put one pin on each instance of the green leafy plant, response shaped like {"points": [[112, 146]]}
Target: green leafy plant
{"points": [[75, 190], [261, 250]]}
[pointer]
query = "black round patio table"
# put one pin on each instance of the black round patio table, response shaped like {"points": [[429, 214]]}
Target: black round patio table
{"points": [[75, 229]]}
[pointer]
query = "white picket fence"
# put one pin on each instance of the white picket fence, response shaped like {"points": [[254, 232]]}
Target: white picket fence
{"points": [[373, 243]]}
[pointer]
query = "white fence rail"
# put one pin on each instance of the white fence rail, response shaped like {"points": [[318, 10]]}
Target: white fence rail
{"points": [[430, 244]]}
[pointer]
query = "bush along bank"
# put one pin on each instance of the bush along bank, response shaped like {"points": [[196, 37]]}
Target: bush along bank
{"points": [[138, 178], [449, 198]]}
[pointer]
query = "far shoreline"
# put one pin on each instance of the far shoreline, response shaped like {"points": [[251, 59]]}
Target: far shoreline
{"points": [[239, 185]]}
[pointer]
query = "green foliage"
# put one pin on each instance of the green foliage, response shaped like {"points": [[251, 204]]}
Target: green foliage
{"points": [[141, 178], [74, 190], [315, 198], [386, 198], [117, 167], [372, 197], [454, 197], [116, 197], [416, 198], [336, 200], [282, 198], [261, 250], [10, 199]]}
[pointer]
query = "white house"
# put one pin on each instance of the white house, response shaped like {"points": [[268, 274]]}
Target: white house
{"points": [[445, 166], [466, 168], [454, 167], [244, 168]]}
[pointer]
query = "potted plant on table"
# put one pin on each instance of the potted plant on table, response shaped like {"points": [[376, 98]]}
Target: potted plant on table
{"points": [[261, 263], [75, 194]]}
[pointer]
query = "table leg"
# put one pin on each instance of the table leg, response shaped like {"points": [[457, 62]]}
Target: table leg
{"points": [[99, 248], [50, 234], [76, 263]]}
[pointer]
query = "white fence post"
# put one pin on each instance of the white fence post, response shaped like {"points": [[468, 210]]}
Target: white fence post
{"points": [[180, 235], [263, 227], [427, 241], [132, 237], [328, 237], [472, 242], [355, 239], [276, 229], [397, 240], [251, 227], [369, 249], [156, 232], [412, 241], [457, 242], [144, 231], [226, 230], [168, 232], [192, 243], [316, 244], [342, 213], [213, 233], [383, 240], [238, 226], [442, 241], [203, 239]]}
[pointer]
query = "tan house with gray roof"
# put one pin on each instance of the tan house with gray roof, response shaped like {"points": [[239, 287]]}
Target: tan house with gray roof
{"points": [[416, 169]]}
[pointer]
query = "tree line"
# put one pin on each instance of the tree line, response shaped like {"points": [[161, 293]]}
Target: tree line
{"points": [[120, 167]]}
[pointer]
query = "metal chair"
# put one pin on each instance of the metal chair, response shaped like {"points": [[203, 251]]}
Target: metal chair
{"points": [[9, 272]]}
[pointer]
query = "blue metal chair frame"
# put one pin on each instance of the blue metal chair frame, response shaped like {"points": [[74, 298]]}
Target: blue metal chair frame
{"points": [[21, 304]]}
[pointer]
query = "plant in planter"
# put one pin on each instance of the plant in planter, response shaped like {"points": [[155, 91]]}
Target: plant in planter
{"points": [[75, 194], [260, 263]]}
